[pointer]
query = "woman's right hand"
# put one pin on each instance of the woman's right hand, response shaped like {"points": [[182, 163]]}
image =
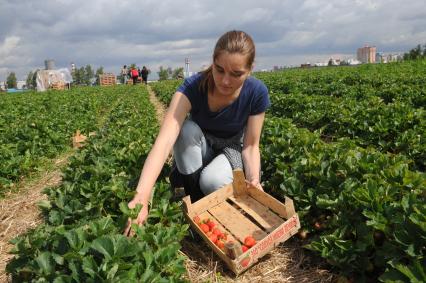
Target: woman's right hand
{"points": [[142, 216]]}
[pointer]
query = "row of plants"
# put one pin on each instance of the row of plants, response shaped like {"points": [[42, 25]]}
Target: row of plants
{"points": [[395, 127], [81, 240], [394, 81], [164, 90], [38, 126], [365, 211]]}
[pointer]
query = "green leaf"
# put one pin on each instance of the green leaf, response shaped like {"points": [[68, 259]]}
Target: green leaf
{"points": [[112, 271], [105, 246], [45, 262], [148, 258], [44, 204], [90, 267]]}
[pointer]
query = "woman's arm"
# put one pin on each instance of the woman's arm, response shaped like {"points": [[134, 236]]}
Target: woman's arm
{"points": [[251, 152], [169, 130]]}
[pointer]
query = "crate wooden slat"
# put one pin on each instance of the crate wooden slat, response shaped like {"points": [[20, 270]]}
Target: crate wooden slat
{"points": [[261, 214], [241, 211], [237, 223], [107, 79]]}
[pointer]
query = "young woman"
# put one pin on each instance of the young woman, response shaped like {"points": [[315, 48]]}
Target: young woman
{"points": [[227, 109]]}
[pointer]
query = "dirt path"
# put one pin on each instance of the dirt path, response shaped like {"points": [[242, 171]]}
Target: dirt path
{"points": [[159, 107], [289, 262], [19, 211]]}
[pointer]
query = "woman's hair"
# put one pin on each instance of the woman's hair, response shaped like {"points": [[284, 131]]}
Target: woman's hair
{"points": [[234, 41]]}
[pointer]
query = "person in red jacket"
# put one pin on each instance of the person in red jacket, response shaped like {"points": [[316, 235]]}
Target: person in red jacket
{"points": [[135, 74]]}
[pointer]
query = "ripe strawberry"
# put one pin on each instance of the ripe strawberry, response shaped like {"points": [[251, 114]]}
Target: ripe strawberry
{"points": [[220, 244], [249, 241], [196, 220], [245, 248], [217, 232], [213, 238], [204, 227], [211, 224]]}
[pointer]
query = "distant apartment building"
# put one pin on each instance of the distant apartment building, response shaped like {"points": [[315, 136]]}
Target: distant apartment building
{"points": [[387, 58], [366, 54]]}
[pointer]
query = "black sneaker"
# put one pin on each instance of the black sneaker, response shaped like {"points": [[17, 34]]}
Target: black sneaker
{"points": [[175, 177]]}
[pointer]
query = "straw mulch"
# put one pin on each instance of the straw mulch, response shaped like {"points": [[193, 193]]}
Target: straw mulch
{"points": [[289, 262], [19, 211]]}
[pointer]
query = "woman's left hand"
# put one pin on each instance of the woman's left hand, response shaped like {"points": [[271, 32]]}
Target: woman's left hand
{"points": [[254, 183]]}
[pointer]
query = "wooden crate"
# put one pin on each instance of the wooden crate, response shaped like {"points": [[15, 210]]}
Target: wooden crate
{"points": [[57, 86], [107, 79], [241, 211]]}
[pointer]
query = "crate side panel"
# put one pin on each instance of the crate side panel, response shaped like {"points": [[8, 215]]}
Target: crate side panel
{"points": [[269, 201], [212, 199]]}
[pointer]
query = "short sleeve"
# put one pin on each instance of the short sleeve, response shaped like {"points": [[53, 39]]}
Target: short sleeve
{"points": [[261, 100], [190, 87]]}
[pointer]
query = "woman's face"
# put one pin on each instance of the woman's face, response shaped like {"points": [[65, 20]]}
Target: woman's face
{"points": [[229, 72]]}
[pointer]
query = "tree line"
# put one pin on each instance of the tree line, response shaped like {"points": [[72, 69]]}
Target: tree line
{"points": [[81, 76], [86, 75], [416, 53], [165, 74]]}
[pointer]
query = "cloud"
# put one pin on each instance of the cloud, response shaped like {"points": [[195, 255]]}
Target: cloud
{"points": [[153, 33]]}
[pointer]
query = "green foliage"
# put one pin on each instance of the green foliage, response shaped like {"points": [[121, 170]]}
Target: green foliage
{"points": [[164, 90], [99, 72], [36, 126], [85, 216], [416, 53], [31, 81], [352, 158], [11, 80], [177, 73], [163, 74], [369, 206], [83, 75]]}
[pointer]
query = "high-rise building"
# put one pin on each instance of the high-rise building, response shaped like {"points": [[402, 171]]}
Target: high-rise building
{"points": [[366, 54]]}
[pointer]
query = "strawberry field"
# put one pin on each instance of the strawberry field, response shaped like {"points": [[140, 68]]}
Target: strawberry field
{"points": [[81, 239], [349, 146], [346, 144]]}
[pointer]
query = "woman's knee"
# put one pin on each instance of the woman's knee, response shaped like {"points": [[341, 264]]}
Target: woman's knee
{"points": [[190, 133], [216, 175]]}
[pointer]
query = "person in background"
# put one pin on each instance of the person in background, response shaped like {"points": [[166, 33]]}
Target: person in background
{"points": [[144, 74], [222, 133], [124, 73], [135, 75]]}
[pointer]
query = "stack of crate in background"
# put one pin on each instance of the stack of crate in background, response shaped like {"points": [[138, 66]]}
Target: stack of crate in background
{"points": [[107, 79]]}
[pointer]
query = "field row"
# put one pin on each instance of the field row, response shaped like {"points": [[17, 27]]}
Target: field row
{"points": [[82, 239]]}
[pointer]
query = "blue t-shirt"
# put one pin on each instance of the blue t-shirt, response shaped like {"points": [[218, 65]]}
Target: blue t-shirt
{"points": [[229, 121]]}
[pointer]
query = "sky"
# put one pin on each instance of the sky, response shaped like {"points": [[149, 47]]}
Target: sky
{"points": [[163, 33]]}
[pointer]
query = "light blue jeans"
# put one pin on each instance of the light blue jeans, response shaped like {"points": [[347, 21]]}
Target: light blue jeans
{"points": [[192, 152]]}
